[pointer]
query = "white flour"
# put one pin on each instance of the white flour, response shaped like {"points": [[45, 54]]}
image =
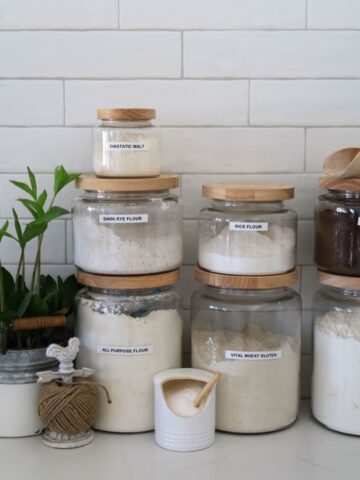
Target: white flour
{"points": [[180, 396], [129, 377], [250, 253], [252, 396], [336, 383], [124, 249]]}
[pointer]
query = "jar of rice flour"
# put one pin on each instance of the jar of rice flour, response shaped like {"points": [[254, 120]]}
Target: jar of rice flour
{"points": [[127, 226], [130, 329], [247, 230], [126, 144], [335, 380], [249, 330]]}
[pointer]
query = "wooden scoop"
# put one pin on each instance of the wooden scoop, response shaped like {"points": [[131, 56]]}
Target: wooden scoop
{"points": [[343, 163], [206, 390]]}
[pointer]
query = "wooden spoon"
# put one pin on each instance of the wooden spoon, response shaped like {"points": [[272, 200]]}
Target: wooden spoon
{"points": [[343, 163], [206, 390]]}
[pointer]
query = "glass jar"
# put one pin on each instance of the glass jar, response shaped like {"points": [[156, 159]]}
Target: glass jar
{"points": [[120, 231], [129, 331], [247, 230], [249, 330], [337, 232], [126, 144], [335, 380]]}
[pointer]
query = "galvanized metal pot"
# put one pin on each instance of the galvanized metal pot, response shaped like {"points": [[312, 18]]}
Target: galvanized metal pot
{"points": [[19, 391]]}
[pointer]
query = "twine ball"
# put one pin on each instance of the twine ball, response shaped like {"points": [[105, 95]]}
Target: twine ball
{"points": [[69, 408]]}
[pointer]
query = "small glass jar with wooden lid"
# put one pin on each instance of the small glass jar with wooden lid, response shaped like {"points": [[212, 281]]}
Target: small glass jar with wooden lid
{"points": [[248, 328], [127, 226], [130, 329], [247, 230], [126, 144]]}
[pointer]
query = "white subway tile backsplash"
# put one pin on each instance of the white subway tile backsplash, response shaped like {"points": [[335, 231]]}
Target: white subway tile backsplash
{"points": [[90, 54], [31, 102], [309, 285], [188, 102], [327, 14], [305, 102], [190, 242], [321, 142], [45, 148], [271, 54], [69, 242], [37, 14], [306, 333], [233, 150], [305, 241]]}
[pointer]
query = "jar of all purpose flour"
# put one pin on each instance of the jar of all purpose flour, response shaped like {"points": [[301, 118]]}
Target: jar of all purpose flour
{"points": [[249, 330], [335, 380], [127, 226], [126, 144], [130, 329], [247, 230], [337, 227]]}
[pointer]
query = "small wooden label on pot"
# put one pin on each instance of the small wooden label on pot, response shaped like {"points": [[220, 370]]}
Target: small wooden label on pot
{"points": [[136, 218], [115, 350], [249, 226], [243, 355], [128, 146]]}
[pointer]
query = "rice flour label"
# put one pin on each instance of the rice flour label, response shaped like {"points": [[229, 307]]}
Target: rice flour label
{"points": [[128, 146], [249, 226], [113, 350], [243, 355], [136, 218]]}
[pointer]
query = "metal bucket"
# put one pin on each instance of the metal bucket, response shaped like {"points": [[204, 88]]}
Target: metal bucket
{"points": [[19, 391]]}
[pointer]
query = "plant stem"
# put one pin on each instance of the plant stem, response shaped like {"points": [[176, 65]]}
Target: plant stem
{"points": [[21, 268]]}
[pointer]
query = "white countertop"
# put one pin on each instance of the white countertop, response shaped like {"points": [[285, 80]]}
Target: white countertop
{"points": [[305, 451]]}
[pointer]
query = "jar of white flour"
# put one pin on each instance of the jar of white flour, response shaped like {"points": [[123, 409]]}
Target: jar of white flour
{"points": [[126, 144], [130, 329], [247, 230], [335, 380], [249, 330], [127, 226]]}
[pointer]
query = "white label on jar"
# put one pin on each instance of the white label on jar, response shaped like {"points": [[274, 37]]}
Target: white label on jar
{"points": [[128, 146], [249, 226], [112, 350], [358, 221], [243, 355], [136, 218]]}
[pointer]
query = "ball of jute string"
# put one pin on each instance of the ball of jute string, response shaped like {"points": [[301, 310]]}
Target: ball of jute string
{"points": [[69, 408]]}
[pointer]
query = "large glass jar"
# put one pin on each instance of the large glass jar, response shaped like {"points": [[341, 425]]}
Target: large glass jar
{"points": [[126, 144], [335, 379], [337, 232], [127, 227], [130, 329], [247, 230], [249, 330]]}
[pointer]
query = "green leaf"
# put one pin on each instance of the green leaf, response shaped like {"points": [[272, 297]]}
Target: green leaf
{"points": [[70, 288], [22, 186], [18, 228], [3, 229], [33, 230], [62, 178], [7, 317], [42, 198], [32, 183], [37, 307], [8, 282], [24, 304], [51, 214], [33, 207]]}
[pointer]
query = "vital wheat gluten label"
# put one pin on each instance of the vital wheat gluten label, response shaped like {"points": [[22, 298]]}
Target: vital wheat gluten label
{"points": [[249, 226], [241, 355], [136, 218], [128, 146], [112, 350]]}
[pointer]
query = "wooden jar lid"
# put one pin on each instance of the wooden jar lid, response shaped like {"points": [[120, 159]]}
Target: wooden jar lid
{"points": [[131, 114], [248, 192], [94, 183], [246, 282], [128, 282], [340, 184], [339, 281]]}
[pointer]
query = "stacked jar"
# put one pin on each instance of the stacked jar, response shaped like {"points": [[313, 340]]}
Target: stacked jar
{"points": [[127, 230], [246, 321], [336, 306]]}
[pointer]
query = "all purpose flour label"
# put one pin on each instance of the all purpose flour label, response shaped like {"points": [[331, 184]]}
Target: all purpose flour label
{"points": [[128, 146], [136, 218], [111, 350], [243, 355], [249, 226]]}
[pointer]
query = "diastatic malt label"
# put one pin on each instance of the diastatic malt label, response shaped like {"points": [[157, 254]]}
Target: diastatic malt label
{"points": [[128, 146]]}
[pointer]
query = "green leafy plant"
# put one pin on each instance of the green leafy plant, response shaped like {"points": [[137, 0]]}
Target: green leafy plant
{"points": [[44, 295]]}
